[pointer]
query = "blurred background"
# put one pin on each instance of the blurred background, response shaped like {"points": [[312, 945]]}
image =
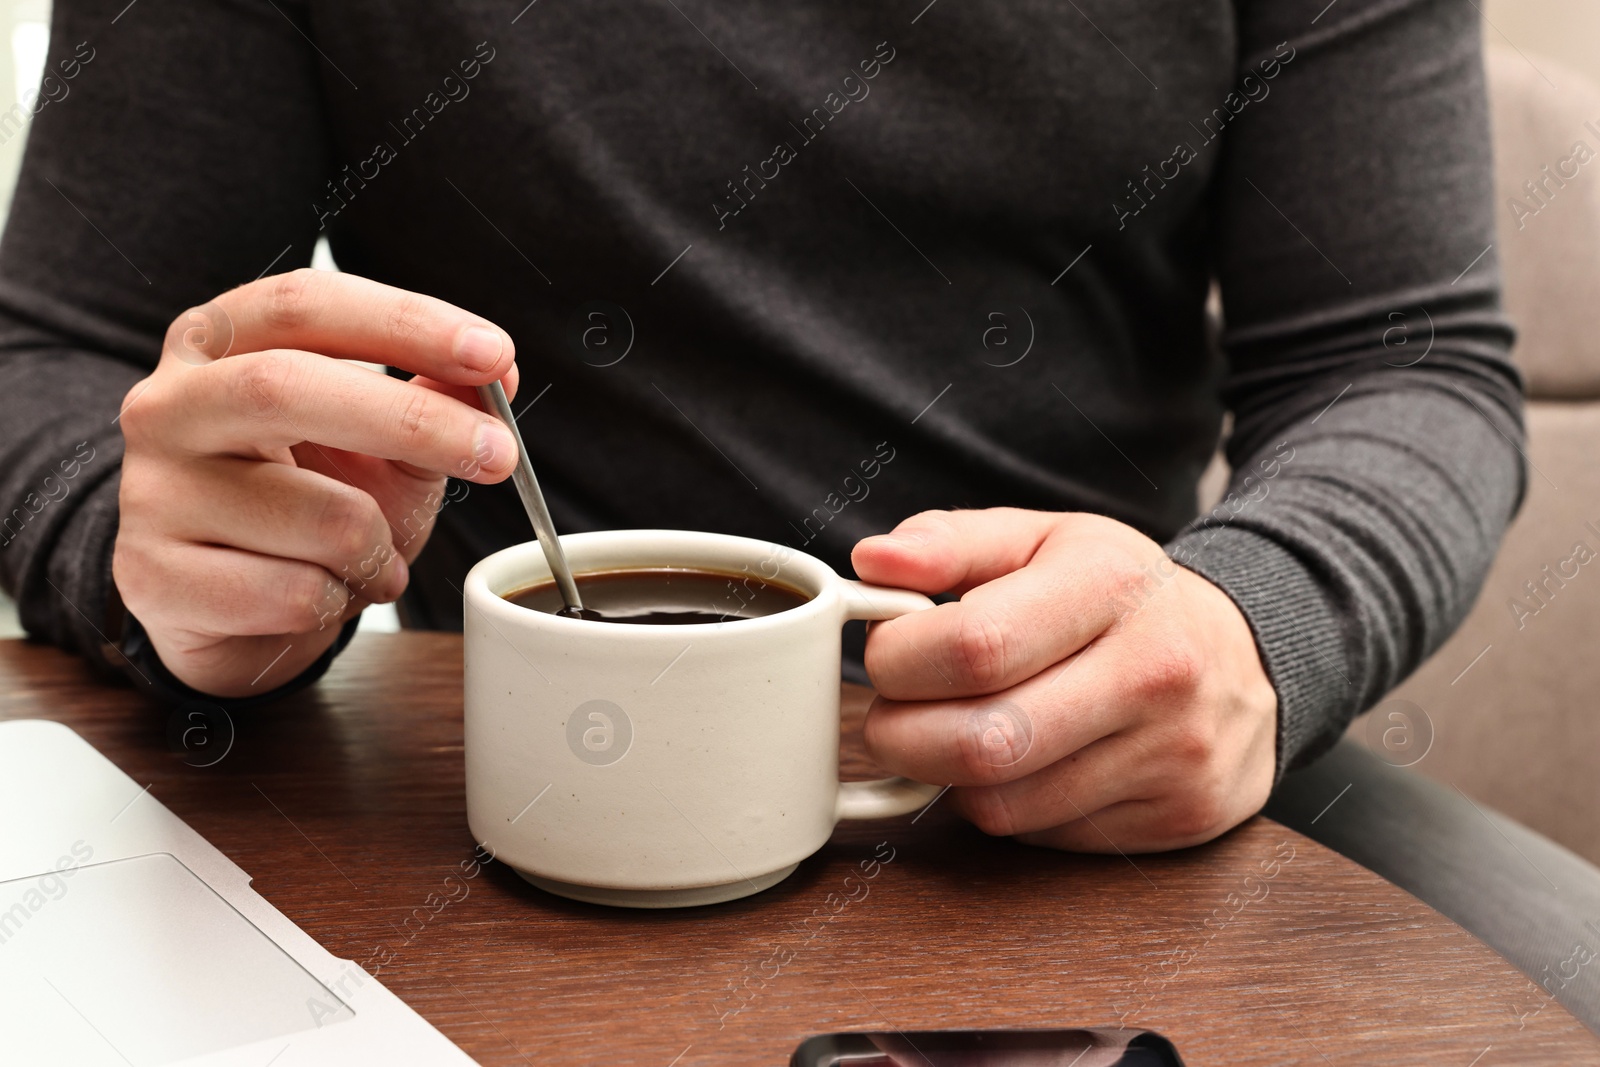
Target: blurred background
{"points": [[1504, 711]]}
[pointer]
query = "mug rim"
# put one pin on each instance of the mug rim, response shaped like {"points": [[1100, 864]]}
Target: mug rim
{"points": [[656, 548]]}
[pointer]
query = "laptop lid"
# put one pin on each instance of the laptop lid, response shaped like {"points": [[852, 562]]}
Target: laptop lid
{"points": [[127, 938]]}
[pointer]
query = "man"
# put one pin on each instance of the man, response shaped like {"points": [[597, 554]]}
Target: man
{"points": [[741, 256]]}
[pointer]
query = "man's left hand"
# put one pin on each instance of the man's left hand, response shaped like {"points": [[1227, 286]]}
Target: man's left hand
{"points": [[1086, 693]]}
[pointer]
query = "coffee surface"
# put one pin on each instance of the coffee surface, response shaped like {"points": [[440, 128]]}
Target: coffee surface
{"points": [[665, 597]]}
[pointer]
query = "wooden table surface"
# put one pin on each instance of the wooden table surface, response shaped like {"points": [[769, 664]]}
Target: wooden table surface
{"points": [[346, 805]]}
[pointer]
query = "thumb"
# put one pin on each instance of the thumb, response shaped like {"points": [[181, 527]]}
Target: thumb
{"points": [[953, 551]]}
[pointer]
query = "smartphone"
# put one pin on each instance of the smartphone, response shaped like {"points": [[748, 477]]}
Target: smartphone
{"points": [[1088, 1047]]}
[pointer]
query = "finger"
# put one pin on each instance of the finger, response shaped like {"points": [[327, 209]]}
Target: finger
{"points": [[274, 509], [1108, 771], [984, 741], [1160, 787], [940, 551], [410, 499], [347, 317], [1128, 827], [468, 394], [257, 403], [214, 591], [1046, 586], [241, 666], [998, 634]]}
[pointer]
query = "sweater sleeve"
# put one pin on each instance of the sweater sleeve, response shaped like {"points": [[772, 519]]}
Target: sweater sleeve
{"points": [[132, 205], [1377, 435]]}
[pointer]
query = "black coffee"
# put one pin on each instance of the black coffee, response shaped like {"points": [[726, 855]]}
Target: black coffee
{"points": [[665, 596]]}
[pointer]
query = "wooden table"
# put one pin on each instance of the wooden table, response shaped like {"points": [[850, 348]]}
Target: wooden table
{"points": [[346, 805]]}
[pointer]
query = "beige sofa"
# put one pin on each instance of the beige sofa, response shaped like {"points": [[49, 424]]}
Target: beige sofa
{"points": [[1513, 698]]}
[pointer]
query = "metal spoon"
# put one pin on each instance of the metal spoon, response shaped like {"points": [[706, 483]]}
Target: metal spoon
{"points": [[495, 402]]}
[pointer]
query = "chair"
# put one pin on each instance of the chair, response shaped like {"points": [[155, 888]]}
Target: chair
{"points": [[1513, 698]]}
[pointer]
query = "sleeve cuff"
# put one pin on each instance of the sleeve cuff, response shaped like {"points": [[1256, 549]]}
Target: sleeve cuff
{"points": [[113, 639], [1297, 630], [149, 675]]}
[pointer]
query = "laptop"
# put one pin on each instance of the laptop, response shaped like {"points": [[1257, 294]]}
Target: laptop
{"points": [[128, 939]]}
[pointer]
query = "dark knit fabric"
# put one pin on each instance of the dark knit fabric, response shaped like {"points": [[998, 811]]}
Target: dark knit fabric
{"points": [[751, 252]]}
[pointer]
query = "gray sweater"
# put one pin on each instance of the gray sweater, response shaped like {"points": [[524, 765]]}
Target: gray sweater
{"points": [[798, 271]]}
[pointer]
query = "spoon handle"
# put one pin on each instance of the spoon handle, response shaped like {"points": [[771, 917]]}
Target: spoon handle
{"points": [[495, 402]]}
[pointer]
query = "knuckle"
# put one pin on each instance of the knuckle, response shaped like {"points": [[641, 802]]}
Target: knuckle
{"points": [[989, 811], [137, 496], [345, 526], [982, 648], [200, 334], [130, 570], [417, 423], [1128, 584], [259, 383], [1199, 813], [307, 595], [1171, 669], [142, 411], [405, 317], [992, 739], [975, 762], [1192, 745], [290, 297]]}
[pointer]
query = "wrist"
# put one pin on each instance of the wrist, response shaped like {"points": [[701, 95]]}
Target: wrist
{"points": [[138, 659]]}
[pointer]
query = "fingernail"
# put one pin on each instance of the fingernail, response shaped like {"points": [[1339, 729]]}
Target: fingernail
{"points": [[904, 539], [402, 573], [479, 348], [494, 446]]}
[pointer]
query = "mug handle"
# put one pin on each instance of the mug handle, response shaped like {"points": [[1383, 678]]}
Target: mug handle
{"points": [[885, 797]]}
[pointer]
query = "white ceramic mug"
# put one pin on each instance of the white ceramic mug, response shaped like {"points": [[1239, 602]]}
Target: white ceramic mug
{"points": [[663, 766]]}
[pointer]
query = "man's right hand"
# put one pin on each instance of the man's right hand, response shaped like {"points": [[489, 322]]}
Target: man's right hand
{"points": [[271, 490]]}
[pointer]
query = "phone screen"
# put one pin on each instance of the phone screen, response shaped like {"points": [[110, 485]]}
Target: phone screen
{"points": [[1088, 1047]]}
